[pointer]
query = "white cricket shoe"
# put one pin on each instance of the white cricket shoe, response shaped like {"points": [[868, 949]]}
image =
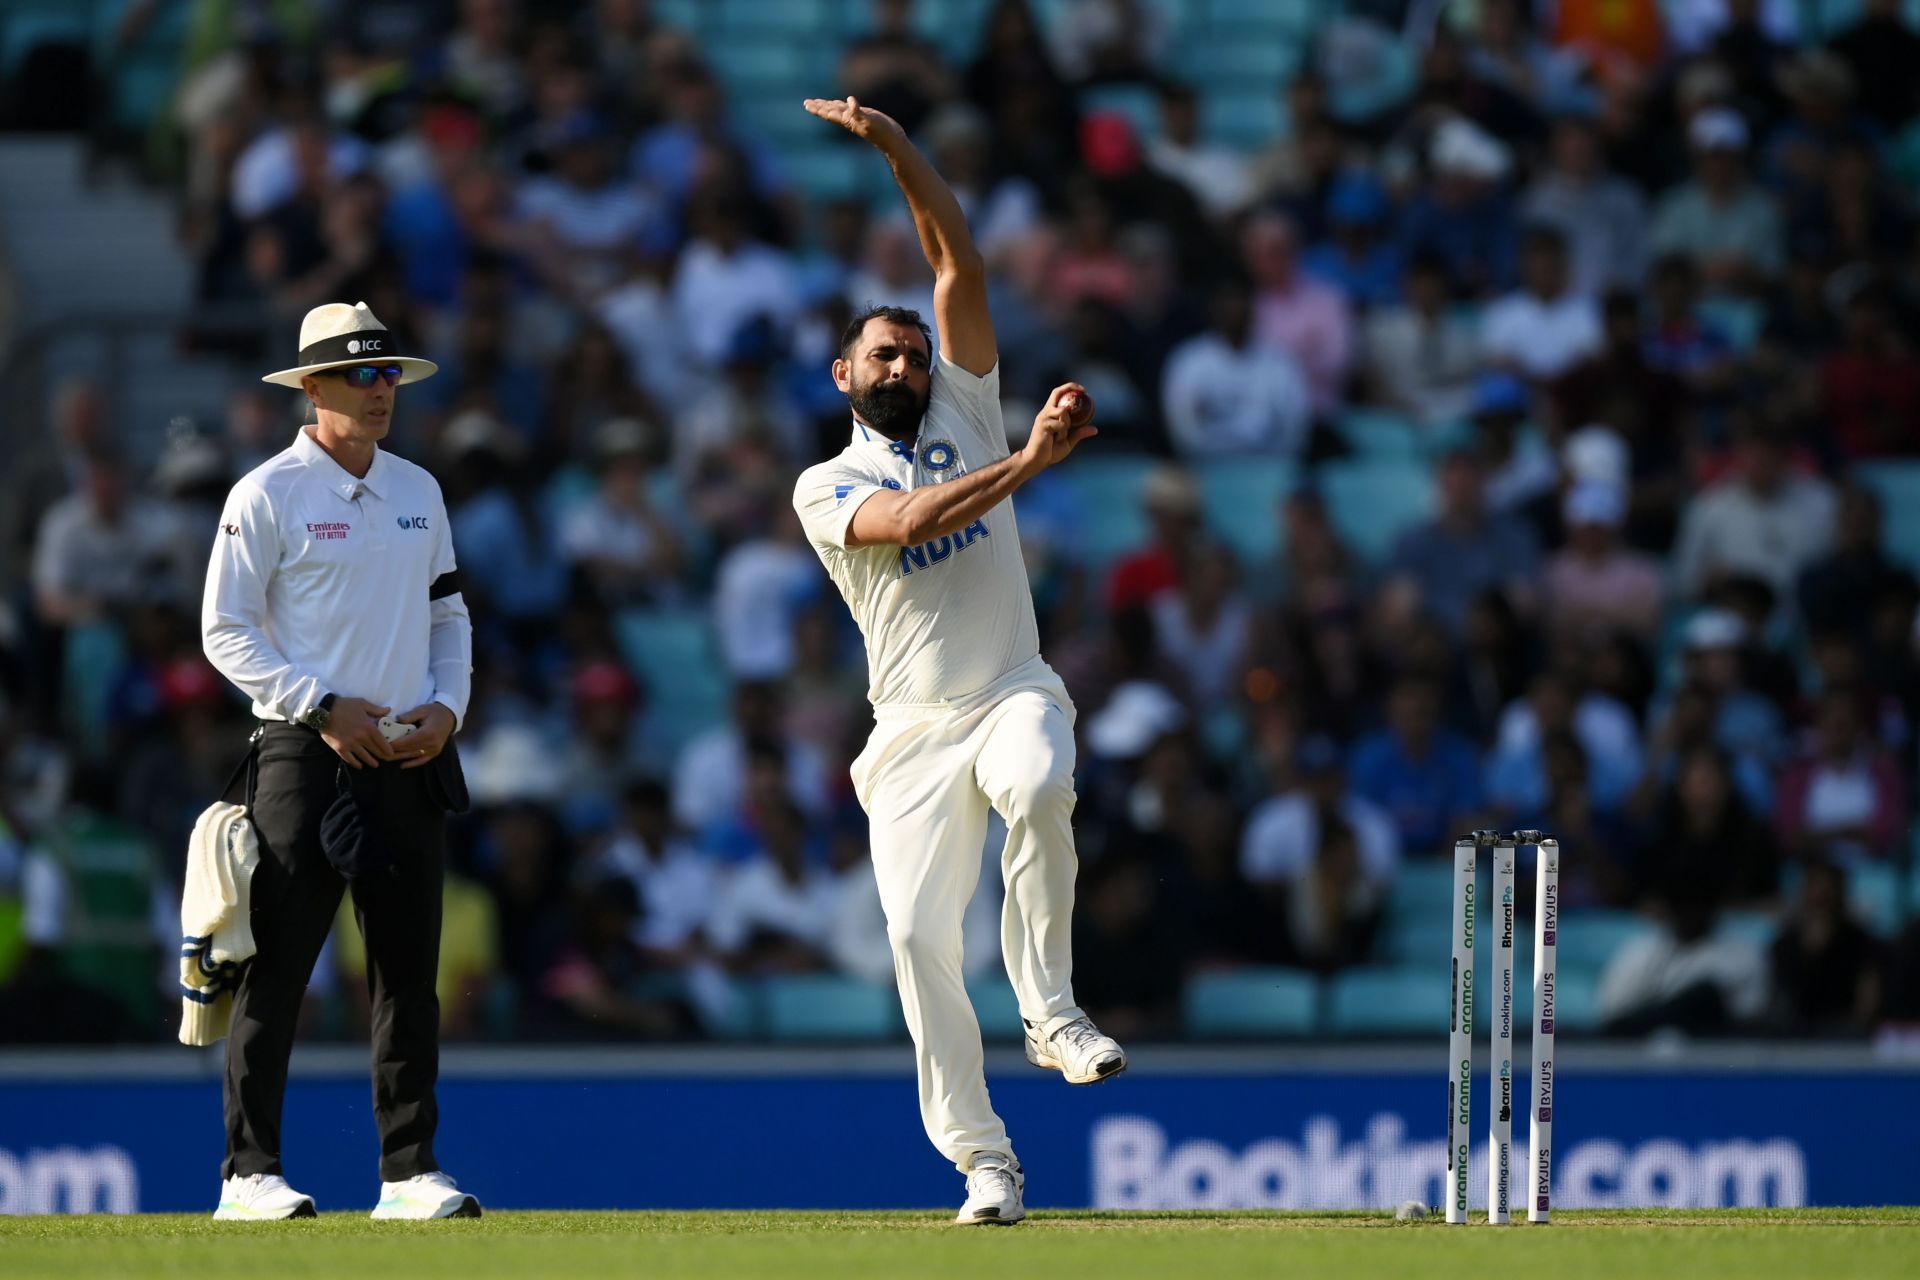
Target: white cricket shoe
{"points": [[1078, 1051], [994, 1184], [429, 1195], [261, 1197]]}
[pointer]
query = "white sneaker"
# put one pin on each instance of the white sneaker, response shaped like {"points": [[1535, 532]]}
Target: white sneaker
{"points": [[994, 1184], [429, 1195], [1077, 1051], [261, 1197]]}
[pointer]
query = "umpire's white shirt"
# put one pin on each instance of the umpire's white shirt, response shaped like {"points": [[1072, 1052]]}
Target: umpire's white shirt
{"points": [[946, 620], [320, 582]]}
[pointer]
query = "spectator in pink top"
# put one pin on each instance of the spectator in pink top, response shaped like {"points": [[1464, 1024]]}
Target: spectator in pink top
{"points": [[1594, 583], [1843, 801], [1295, 313]]}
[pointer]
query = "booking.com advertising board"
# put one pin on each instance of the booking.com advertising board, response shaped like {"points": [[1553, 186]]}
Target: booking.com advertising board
{"points": [[1282, 1140]]}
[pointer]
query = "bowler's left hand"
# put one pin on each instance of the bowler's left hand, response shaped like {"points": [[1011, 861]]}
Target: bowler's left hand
{"points": [[435, 723]]}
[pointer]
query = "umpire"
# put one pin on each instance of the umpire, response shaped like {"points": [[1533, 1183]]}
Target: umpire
{"points": [[332, 602]]}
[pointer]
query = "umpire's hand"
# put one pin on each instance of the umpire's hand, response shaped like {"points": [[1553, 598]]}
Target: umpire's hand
{"points": [[353, 731], [427, 741]]}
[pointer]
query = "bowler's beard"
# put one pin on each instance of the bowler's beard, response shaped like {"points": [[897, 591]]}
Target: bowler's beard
{"points": [[894, 409]]}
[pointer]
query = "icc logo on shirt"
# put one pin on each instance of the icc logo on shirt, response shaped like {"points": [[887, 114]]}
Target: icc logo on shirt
{"points": [[411, 522]]}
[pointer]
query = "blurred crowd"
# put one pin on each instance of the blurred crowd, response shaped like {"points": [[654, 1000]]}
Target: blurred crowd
{"points": [[1640, 282]]}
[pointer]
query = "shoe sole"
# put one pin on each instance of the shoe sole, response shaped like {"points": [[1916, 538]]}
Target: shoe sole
{"points": [[467, 1208], [990, 1218], [304, 1209], [1106, 1071]]}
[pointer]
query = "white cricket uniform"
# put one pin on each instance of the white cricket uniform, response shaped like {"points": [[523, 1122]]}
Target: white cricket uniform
{"points": [[967, 716]]}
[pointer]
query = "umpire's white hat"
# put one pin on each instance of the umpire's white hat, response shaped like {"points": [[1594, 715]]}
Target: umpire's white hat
{"points": [[335, 335]]}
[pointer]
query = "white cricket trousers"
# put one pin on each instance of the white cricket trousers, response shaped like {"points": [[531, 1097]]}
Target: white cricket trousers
{"points": [[926, 779]]}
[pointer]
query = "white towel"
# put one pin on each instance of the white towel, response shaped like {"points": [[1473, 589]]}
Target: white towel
{"points": [[215, 920]]}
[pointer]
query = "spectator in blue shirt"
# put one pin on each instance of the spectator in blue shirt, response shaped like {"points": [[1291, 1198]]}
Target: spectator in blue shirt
{"points": [[1424, 775], [1359, 260], [1466, 549]]}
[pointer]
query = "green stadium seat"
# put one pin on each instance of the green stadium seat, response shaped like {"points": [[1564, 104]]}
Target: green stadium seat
{"points": [[27, 24], [1242, 498], [1740, 319], [1408, 1000], [1109, 490], [829, 1008], [143, 87], [1418, 939], [1259, 63], [674, 653], [1251, 1004], [1420, 887], [744, 1016], [1756, 928], [1576, 1003], [1372, 501], [1242, 118], [1382, 433], [827, 171], [1139, 104], [1874, 894], [770, 18], [1589, 939], [996, 1006], [765, 67], [1297, 16], [1898, 485], [687, 16]]}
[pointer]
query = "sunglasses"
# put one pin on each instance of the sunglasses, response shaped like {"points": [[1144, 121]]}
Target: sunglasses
{"points": [[363, 376]]}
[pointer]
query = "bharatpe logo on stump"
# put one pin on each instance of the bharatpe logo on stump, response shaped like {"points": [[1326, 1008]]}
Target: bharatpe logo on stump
{"points": [[1505, 995], [1136, 1167]]}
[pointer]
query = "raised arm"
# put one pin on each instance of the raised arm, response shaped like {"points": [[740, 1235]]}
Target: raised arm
{"points": [[959, 276]]}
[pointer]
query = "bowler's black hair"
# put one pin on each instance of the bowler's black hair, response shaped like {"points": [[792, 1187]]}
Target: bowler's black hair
{"points": [[892, 315]]}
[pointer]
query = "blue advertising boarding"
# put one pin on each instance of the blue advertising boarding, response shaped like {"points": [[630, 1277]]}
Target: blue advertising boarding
{"points": [[560, 1138]]}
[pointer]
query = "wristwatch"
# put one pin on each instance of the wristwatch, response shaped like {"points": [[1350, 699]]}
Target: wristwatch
{"points": [[320, 715]]}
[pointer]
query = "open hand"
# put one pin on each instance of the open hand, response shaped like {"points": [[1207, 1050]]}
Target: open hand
{"points": [[876, 127]]}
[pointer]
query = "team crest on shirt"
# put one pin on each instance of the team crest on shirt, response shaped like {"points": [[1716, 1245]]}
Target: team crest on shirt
{"points": [[940, 455]]}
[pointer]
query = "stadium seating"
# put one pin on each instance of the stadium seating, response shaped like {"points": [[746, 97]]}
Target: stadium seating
{"points": [[1408, 1000], [1588, 939], [1137, 102], [1251, 1004], [1109, 489], [27, 23], [821, 1007], [1755, 928], [1372, 501], [1576, 1003], [1876, 894], [676, 657], [1242, 497], [1247, 119], [1416, 939], [1897, 482], [996, 1006], [1380, 433]]}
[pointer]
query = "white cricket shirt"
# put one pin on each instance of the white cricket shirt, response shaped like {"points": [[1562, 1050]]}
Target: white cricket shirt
{"points": [[320, 583], [946, 619]]}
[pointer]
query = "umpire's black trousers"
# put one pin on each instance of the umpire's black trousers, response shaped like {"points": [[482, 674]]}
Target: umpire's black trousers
{"points": [[296, 894]]}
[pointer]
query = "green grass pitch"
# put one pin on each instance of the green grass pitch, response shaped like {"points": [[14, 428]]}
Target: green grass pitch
{"points": [[1614, 1245]]}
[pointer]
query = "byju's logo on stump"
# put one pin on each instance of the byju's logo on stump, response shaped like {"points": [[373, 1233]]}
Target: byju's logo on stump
{"points": [[411, 522]]}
